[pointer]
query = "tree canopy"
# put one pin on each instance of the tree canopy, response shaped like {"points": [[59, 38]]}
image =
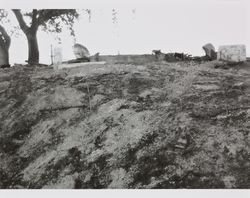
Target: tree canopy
{"points": [[50, 20]]}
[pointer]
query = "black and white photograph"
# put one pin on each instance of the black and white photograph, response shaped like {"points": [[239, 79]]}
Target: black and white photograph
{"points": [[125, 94]]}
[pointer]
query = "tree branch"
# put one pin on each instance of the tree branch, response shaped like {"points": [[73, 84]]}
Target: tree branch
{"points": [[34, 24], [46, 15], [20, 20]]}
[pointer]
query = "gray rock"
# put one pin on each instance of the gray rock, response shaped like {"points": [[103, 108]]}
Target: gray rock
{"points": [[80, 51], [210, 51]]}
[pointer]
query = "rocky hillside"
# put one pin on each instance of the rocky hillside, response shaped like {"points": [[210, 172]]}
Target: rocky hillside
{"points": [[162, 125]]}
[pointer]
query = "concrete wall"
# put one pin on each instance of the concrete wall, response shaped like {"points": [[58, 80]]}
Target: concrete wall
{"points": [[127, 58]]}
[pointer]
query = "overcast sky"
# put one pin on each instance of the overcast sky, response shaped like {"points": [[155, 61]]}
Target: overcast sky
{"points": [[141, 26]]}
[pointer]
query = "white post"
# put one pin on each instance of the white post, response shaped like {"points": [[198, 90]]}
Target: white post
{"points": [[57, 58]]}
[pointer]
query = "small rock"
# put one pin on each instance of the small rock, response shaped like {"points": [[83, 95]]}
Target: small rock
{"points": [[229, 181], [145, 94], [88, 177], [207, 87], [181, 143], [238, 85], [18, 142]]}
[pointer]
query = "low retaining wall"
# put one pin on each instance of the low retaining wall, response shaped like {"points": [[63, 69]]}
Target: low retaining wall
{"points": [[144, 58]]}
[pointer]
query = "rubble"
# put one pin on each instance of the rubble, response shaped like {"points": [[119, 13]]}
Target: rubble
{"points": [[171, 57], [159, 55], [232, 53], [178, 57]]}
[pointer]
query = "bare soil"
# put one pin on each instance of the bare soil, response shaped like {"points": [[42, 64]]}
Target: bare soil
{"points": [[157, 125]]}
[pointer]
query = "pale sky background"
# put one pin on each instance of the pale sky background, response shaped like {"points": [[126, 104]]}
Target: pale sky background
{"points": [[169, 25]]}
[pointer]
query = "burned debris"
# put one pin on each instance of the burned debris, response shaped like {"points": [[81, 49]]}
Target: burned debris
{"points": [[171, 57], [227, 54]]}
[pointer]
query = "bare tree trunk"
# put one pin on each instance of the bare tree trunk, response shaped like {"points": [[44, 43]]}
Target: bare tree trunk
{"points": [[33, 57], [4, 57], [4, 47], [31, 35]]}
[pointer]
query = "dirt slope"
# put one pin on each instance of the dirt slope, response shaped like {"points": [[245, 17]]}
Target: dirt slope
{"points": [[162, 125]]}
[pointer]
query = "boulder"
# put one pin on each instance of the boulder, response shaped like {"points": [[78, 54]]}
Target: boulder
{"points": [[232, 53], [80, 51], [210, 51]]}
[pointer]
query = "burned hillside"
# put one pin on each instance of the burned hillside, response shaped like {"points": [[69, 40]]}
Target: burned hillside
{"points": [[152, 125]]}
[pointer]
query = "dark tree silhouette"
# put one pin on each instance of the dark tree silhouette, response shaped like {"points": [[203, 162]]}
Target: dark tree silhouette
{"points": [[4, 42], [49, 20]]}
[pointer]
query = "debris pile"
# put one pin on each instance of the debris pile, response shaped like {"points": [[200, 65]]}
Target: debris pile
{"points": [[171, 57], [227, 54], [232, 53]]}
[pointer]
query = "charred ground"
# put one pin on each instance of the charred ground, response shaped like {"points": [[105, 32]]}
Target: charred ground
{"points": [[155, 125]]}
